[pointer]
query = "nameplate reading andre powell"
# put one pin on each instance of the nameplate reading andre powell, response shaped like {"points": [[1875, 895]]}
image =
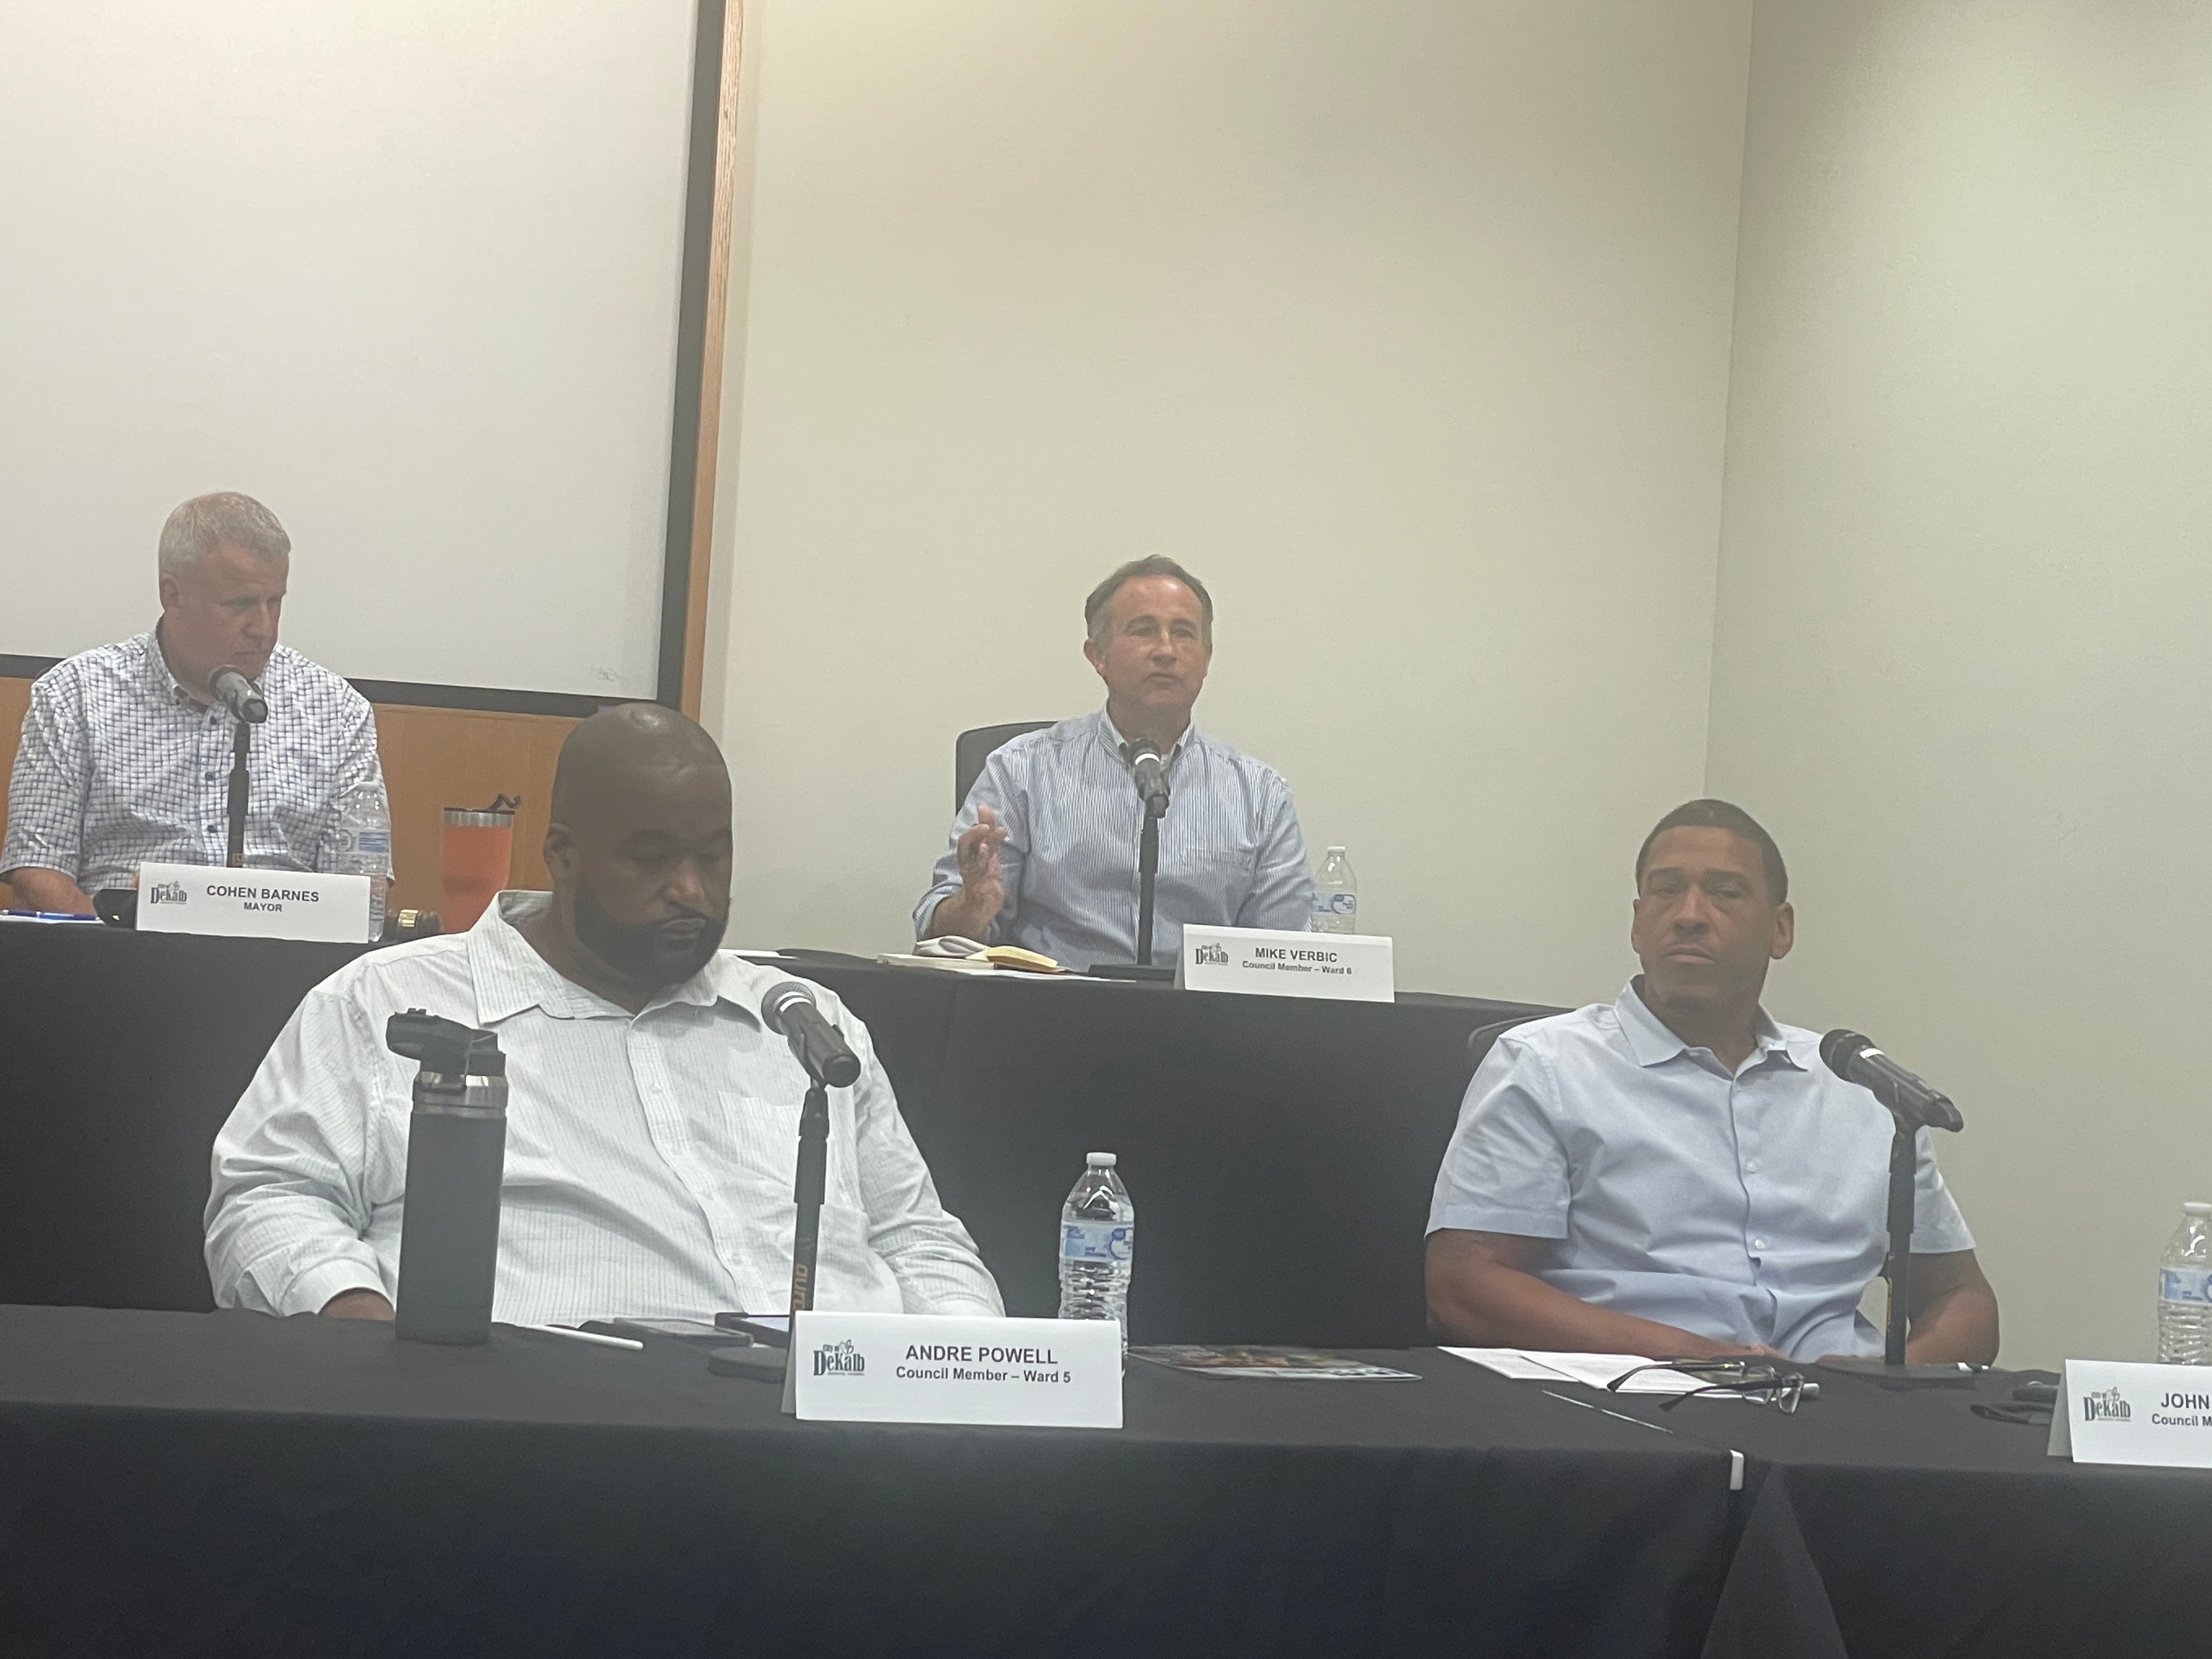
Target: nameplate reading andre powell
{"points": [[2109, 1412], [197, 898], [913, 1368], [1266, 962]]}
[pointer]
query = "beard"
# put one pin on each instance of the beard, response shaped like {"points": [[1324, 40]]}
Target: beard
{"points": [[656, 953]]}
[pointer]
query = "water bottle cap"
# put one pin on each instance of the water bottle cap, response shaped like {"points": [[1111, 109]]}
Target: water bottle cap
{"points": [[1335, 852], [2198, 1209], [1100, 1160]]}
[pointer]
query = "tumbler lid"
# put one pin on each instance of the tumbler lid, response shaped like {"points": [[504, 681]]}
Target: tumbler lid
{"points": [[499, 815]]}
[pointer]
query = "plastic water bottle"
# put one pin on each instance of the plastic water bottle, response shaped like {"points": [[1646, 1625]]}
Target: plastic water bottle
{"points": [[364, 838], [1336, 895], [1097, 1246], [2185, 1291]]}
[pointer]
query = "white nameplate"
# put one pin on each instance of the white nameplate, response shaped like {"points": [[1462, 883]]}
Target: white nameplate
{"points": [[917, 1368], [2109, 1412], [195, 898], [1261, 961]]}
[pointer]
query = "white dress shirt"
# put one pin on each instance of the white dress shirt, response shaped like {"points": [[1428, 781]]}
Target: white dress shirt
{"points": [[119, 763], [1752, 1207], [650, 1158], [1231, 853]]}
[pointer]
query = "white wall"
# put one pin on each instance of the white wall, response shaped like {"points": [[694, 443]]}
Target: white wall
{"points": [[1961, 663], [1405, 324]]}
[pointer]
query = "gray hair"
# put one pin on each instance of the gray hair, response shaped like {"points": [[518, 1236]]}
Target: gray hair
{"points": [[206, 522], [1159, 564]]}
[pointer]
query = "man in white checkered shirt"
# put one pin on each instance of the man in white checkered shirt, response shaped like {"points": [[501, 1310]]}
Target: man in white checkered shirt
{"points": [[125, 754]]}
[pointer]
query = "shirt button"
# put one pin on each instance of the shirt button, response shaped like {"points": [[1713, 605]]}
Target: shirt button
{"points": [[1758, 1243], [1753, 1166]]}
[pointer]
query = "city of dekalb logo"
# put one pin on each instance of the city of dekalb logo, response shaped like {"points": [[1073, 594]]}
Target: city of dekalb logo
{"points": [[1209, 955], [841, 1360], [2105, 1407], [165, 892]]}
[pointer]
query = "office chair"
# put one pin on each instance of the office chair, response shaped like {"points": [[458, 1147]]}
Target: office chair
{"points": [[972, 748]]}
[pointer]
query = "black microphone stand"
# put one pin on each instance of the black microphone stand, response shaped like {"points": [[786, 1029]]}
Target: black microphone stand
{"points": [[807, 1193], [241, 740], [1891, 1369], [1148, 875]]}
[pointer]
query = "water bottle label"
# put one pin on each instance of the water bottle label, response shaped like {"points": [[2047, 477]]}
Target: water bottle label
{"points": [[1096, 1241], [1336, 904], [372, 841], [2184, 1284]]}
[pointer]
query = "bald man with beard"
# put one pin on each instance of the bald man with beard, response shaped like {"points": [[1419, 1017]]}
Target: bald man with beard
{"points": [[653, 1119]]}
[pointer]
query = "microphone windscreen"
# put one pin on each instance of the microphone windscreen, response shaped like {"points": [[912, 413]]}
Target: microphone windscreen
{"points": [[780, 996], [238, 695], [1840, 1047]]}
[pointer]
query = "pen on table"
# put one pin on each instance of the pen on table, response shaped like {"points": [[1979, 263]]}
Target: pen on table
{"points": [[588, 1336], [51, 916]]}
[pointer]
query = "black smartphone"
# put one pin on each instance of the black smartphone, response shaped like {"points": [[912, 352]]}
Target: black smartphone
{"points": [[775, 1329]]}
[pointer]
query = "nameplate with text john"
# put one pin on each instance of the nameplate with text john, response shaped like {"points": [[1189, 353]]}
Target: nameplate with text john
{"points": [[2109, 1411], [1264, 962], [195, 898], [919, 1368]]}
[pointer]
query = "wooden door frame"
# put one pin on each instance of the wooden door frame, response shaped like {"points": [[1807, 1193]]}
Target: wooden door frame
{"points": [[703, 315]]}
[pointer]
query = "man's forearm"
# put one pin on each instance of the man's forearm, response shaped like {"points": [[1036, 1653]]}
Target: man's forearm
{"points": [[957, 914], [37, 889], [358, 1304], [1502, 1307], [1960, 1324]]}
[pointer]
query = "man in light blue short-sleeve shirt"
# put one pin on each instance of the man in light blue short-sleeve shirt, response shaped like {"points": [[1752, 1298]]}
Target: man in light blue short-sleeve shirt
{"points": [[1673, 1173]]}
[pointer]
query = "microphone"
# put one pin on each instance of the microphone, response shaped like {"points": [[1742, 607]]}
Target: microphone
{"points": [[1856, 1060], [235, 692], [1144, 758], [788, 1009]]}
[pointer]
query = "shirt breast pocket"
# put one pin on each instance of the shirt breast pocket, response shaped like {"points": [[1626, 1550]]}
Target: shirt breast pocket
{"points": [[1206, 883], [756, 1140]]}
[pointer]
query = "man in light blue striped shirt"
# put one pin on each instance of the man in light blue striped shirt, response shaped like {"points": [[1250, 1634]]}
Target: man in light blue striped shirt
{"points": [[1043, 852]]}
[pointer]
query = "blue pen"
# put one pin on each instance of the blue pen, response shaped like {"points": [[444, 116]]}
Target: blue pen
{"points": [[51, 916]]}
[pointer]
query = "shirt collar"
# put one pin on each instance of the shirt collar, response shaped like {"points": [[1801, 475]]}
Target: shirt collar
{"points": [[166, 684], [168, 687], [510, 976], [1653, 1042], [1110, 739]]}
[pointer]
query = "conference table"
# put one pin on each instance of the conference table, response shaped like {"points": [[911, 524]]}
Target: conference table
{"points": [[1280, 1152], [174, 1480], [227, 1484]]}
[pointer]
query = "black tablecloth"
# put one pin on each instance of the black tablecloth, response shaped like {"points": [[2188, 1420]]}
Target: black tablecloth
{"points": [[231, 1485], [1281, 1152], [1901, 1524], [1920, 1529]]}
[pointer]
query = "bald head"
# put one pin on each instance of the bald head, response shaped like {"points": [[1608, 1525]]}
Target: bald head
{"points": [[605, 754], [639, 848]]}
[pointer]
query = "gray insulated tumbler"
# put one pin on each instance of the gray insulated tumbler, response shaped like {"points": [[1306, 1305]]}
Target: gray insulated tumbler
{"points": [[456, 1149]]}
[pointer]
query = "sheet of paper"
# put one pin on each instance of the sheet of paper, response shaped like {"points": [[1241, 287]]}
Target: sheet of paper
{"points": [[1598, 1370], [1592, 1370], [1513, 1363]]}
